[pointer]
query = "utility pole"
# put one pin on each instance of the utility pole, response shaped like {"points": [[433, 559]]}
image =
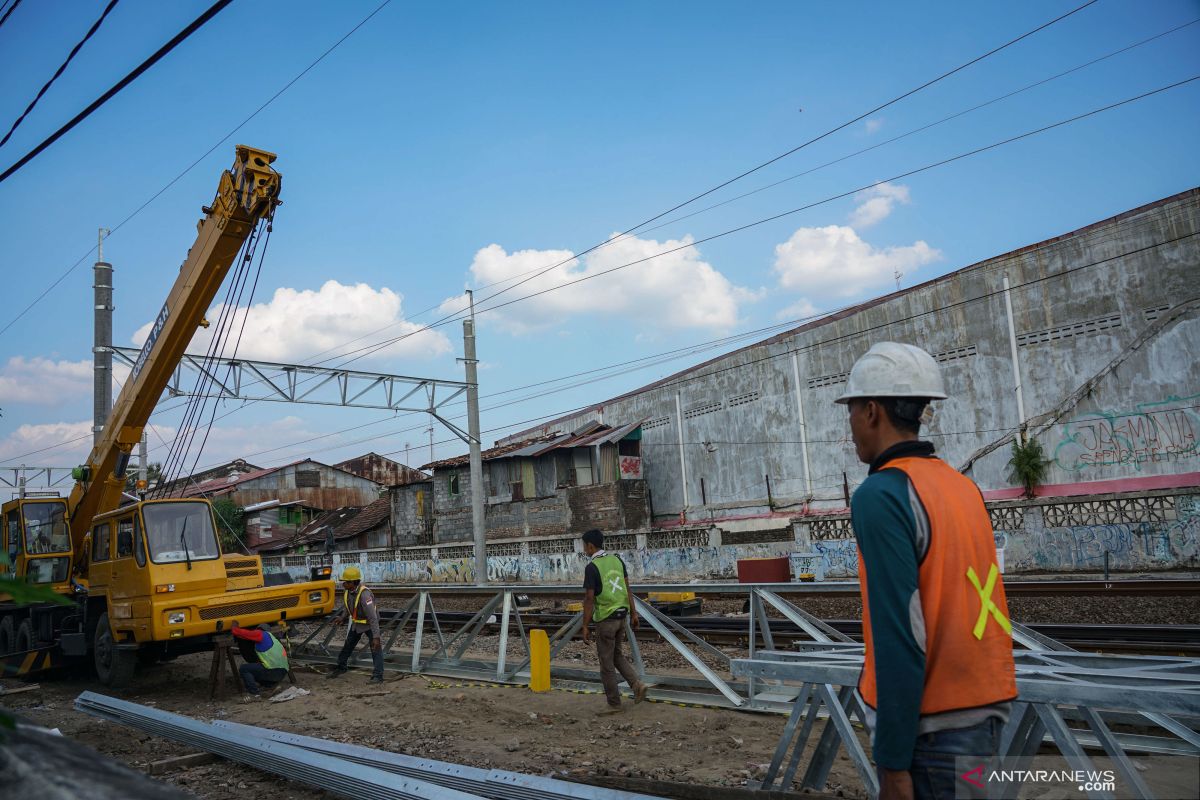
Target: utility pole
{"points": [[143, 466], [1016, 363], [471, 365], [102, 339]]}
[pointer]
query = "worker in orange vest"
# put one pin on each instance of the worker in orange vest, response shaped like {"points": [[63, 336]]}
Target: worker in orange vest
{"points": [[938, 676]]}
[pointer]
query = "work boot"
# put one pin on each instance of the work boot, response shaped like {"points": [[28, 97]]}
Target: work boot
{"points": [[639, 694], [336, 672], [608, 712], [376, 679]]}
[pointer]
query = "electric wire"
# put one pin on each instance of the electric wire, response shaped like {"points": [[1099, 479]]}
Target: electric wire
{"points": [[366, 351], [195, 25], [899, 137], [936, 164], [95, 27], [9, 11], [191, 166]]}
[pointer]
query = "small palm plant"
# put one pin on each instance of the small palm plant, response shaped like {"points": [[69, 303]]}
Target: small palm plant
{"points": [[1028, 465]]}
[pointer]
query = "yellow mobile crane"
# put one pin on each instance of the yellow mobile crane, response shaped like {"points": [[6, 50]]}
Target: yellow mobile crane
{"points": [[148, 579]]}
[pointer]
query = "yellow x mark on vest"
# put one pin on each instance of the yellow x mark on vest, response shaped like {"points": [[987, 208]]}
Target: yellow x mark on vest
{"points": [[985, 598]]}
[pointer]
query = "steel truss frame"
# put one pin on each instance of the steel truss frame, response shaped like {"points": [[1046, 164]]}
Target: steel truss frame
{"points": [[815, 681], [1056, 684], [438, 651], [267, 381]]}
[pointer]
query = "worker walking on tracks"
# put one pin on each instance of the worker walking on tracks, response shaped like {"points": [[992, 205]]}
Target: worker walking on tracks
{"points": [[358, 606], [938, 676], [606, 601], [266, 659]]}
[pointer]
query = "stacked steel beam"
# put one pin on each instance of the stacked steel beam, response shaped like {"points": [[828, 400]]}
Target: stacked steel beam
{"points": [[350, 771]]}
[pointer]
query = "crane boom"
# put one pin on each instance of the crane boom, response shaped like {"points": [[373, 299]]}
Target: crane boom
{"points": [[247, 193]]}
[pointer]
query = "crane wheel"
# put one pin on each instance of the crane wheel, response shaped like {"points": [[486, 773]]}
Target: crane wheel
{"points": [[8, 636], [114, 666], [25, 637]]}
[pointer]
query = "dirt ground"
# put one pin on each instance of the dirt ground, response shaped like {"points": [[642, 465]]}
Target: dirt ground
{"points": [[556, 733]]}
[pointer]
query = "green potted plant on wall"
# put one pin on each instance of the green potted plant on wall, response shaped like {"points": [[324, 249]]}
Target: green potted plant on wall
{"points": [[1028, 465]]}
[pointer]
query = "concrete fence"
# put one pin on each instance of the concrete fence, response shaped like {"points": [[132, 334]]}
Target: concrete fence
{"points": [[1146, 531]]}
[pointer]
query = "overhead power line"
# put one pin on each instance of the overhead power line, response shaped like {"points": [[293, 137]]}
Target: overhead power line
{"points": [[797, 148], [830, 199], [8, 11], [365, 351], [95, 27], [196, 25], [884, 143], [191, 166]]}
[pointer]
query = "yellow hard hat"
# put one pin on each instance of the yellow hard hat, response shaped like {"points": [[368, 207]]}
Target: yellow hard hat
{"points": [[352, 574]]}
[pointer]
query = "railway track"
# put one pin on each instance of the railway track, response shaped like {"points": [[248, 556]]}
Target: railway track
{"points": [[1133, 587], [1175, 640]]}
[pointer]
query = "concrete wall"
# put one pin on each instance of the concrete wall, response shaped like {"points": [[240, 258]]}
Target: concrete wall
{"points": [[1152, 531], [1081, 302], [412, 513], [616, 506]]}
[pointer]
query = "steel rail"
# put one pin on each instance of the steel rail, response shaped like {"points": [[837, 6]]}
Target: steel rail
{"points": [[1133, 587]]}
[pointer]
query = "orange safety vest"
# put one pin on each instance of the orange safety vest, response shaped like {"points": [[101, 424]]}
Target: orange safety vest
{"points": [[968, 637]]}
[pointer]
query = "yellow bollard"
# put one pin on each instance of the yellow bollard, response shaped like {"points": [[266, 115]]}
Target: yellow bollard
{"points": [[539, 661]]}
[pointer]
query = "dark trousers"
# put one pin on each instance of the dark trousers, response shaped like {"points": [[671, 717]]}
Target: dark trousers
{"points": [[254, 674], [609, 635], [935, 774], [352, 638]]}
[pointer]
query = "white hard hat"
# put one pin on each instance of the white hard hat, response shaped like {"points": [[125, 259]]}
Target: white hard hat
{"points": [[892, 369]]}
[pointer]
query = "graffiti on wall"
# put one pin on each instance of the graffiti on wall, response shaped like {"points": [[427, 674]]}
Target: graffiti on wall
{"points": [[1153, 432], [828, 558], [1130, 546]]}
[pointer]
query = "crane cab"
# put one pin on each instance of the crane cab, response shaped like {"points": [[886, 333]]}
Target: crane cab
{"points": [[36, 541]]}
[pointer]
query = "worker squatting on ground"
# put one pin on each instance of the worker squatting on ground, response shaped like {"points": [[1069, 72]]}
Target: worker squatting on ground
{"points": [[269, 665], [358, 606], [606, 601], [938, 676]]}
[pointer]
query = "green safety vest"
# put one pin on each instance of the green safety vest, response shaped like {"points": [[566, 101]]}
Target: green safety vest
{"points": [[276, 657], [614, 594]]}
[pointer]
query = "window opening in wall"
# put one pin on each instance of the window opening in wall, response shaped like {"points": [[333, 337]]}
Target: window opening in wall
{"points": [[957, 354], [1088, 327], [742, 399], [657, 422], [828, 380], [1151, 314], [452, 483], [701, 410], [308, 479]]}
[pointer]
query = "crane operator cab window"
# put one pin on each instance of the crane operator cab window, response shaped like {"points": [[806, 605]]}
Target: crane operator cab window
{"points": [[46, 541], [129, 540], [46, 528], [180, 532]]}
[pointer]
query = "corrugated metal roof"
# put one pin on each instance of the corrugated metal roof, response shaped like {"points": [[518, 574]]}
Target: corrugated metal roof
{"points": [[589, 435]]}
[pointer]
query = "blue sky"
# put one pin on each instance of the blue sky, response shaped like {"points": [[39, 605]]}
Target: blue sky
{"points": [[442, 147]]}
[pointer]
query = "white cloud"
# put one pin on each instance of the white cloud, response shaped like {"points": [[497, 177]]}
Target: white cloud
{"points": [[28, 443], [834, 262], [296, 324], [872, 125], [801, 310], [47, 382], [43, 380], [675, 291], [876, 204]]}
